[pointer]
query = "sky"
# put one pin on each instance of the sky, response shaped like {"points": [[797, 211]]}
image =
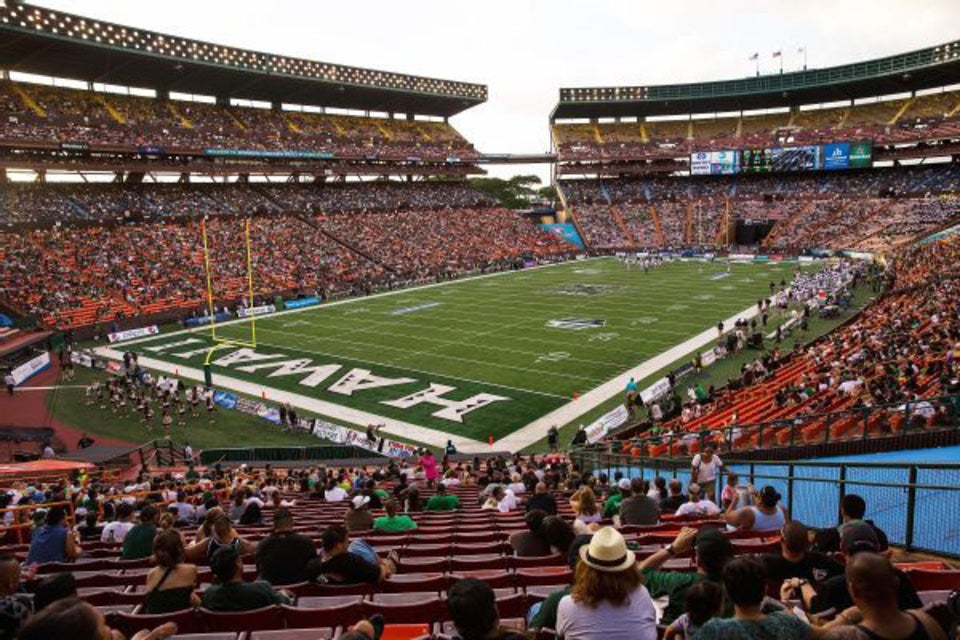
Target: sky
{"points": [[525, 50]]}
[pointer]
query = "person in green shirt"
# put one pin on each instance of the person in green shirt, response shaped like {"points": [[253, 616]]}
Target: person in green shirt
{"points": [[713, 552], [231, 593], [191, 475], [546, 616], [612, 506], [442, 501], [392, 522], [138, 543]]}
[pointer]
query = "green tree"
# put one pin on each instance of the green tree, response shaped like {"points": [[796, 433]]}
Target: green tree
{"points": [[517, 192]]}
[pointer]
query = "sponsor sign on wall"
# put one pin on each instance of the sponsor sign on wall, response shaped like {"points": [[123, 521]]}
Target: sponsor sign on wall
{"points": [[30, 368], [607, 422], [130, 334], [246, 312]]}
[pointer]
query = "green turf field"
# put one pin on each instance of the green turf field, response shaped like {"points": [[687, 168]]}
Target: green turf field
{"points": [[529, 340]]}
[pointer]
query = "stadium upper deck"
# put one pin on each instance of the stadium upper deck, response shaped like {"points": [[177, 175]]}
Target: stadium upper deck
{"points": [[99, 126], [893, 102]]}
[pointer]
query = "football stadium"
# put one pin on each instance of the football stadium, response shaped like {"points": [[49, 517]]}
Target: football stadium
{"points": [[311, 349]]}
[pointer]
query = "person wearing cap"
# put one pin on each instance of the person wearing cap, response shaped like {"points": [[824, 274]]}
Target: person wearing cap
{"points": [[231, 593], [608, 600], [767, 514], [713, 552], [282, 556], [358, 517], [857, 537], [697, 505], [543, 615], [612, 505]]}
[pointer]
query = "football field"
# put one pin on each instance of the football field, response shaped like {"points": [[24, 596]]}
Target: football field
{"points": [[478, 357]]}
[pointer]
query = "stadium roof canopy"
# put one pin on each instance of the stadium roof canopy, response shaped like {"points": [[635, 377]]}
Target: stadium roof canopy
{"points": [[923, 69], [41, 41]]}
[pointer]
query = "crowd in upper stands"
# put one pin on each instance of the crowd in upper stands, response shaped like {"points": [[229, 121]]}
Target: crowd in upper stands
{"points": [[925, 117], [41, 113], [513, 543], [876, 210], [359, 237]]}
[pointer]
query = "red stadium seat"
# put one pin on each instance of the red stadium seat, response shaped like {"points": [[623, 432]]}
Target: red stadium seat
{"points": [[256, 620]]}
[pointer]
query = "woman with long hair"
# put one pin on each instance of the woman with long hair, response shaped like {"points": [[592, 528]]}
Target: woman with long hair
{"points": [[608, 600], [170, 585], [586, 510]]}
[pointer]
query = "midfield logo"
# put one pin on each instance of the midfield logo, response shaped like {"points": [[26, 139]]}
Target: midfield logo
{"points": [[576, 324]]}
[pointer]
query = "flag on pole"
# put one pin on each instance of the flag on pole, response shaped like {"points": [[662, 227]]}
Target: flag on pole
{"points": [[777, 54], [755, 56]]}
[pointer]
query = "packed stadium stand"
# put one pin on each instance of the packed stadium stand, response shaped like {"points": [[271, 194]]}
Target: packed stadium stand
{"points": [[501, 545], [873, 210], [896, 355], [335, 240]]}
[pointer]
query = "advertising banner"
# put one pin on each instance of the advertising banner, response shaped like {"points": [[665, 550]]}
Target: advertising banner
{"points": [[700, 163], [200, 321], [225, 399], [655, 390], [836, 156], [861, 155], [262, 153], [130, 334], [604, 424], [30, 368], [246, 312], [301, 302]]}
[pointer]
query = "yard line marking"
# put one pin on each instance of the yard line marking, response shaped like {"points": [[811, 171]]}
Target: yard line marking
{"points": [[436, 373], [377, 296]]}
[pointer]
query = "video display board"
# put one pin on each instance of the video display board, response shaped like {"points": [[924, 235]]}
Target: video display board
{"points": [[714, 163], [828, 157]]}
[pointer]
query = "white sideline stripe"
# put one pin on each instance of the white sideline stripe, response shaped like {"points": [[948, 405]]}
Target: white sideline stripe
{"points": [[340, 412], [537, 430]]}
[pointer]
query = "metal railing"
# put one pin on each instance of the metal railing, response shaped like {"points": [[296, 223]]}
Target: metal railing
{"points": [[914, 504], [859, 423]]}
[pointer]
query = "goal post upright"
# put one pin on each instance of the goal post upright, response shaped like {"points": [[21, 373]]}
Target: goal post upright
{"points": [[217, 342], [253, 316], [206, 266]]}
